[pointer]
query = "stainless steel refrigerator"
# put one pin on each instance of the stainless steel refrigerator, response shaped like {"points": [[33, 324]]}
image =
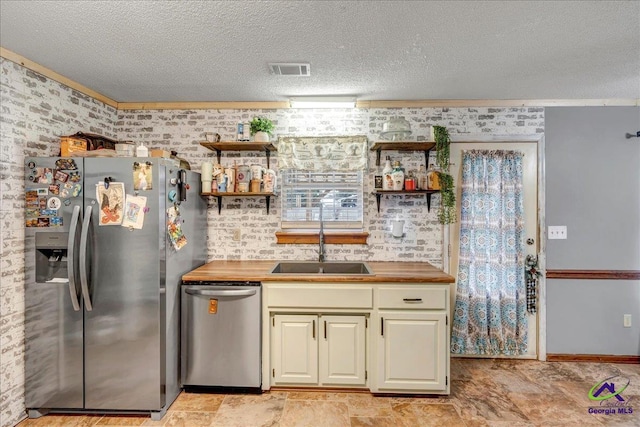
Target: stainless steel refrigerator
{"points": [[103, 272]]}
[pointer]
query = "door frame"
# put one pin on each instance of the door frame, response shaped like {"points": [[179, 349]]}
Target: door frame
{"points": [[540, 234]]}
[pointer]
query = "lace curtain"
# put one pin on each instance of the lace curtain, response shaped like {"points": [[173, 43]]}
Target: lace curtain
{"points": [[323, 153], [490, 310]]}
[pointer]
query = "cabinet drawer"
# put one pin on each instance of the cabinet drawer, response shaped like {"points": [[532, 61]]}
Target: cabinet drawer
{"points": [[320, 297], [412, 298]]}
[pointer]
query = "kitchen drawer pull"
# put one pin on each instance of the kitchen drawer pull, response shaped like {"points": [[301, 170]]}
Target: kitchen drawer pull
{"points": [[412, 299], [313, 330], [222, 292]]}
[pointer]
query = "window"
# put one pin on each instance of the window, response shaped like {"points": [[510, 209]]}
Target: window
{"points": [[338, 194]]}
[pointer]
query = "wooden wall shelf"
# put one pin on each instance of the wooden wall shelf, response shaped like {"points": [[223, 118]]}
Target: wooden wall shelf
{"points": [[219, 147], [403, 146], [428, 193], [219, 197]]}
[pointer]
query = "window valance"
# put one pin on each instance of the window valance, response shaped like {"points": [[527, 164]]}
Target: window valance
{"points": [[323, 153]]}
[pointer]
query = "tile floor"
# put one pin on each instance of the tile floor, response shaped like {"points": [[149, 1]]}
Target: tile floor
{"points": [[483, 393]]}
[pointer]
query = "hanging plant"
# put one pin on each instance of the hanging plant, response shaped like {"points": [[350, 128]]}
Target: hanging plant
{"points": [[447, 211]]}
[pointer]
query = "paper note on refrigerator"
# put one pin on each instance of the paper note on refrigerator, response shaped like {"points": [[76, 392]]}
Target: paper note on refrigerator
{"points": [[111, 201], [174, 227], [134, 211]]}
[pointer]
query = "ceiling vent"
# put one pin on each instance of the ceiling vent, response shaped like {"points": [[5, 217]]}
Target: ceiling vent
{"points": [[290, 69]]}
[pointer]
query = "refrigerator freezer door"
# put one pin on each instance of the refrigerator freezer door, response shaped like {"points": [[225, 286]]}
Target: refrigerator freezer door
{"points": [[123, 368], [53, 326], [53, 355]]}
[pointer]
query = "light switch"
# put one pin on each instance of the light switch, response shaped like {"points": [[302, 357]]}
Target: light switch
{"points": [[557, 232]]}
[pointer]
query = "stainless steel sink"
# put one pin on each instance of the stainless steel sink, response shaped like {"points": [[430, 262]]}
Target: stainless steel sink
{"points": [[310, 267]]}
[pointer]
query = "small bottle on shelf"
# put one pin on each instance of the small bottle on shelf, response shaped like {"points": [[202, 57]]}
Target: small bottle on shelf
{"points": [[387, 179], [421, 179], [240, 133], [397, 176], [410, 181]]}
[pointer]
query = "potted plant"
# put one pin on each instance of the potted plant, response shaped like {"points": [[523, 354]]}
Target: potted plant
{"points": [[261, 129], [447, 211]]}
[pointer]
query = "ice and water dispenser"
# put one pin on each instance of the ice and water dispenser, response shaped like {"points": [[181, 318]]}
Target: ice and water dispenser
{"points": [[51, 257]]}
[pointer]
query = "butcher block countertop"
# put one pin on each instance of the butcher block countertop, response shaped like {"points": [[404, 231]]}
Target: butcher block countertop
{"points": [[259, 271]]}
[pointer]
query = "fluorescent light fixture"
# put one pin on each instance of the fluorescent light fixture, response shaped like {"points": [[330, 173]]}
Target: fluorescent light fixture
{"points": [[323, 102]]}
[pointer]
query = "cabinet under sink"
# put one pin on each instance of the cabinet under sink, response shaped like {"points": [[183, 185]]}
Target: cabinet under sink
{"points": [[384, 337]]}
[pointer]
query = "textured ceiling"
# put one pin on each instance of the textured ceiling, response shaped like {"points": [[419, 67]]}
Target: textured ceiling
{"points": [[135, 51]]}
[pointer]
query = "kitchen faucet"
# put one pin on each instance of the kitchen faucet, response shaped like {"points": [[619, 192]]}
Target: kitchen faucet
{"points": [[321, 239]]}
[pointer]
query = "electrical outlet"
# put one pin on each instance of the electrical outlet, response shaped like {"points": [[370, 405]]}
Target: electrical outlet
{"points": [[376, 237], [237, 234], [627, 320], [557, 232]]}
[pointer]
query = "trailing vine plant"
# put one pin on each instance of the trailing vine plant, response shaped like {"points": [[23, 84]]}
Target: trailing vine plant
{"points": [[447, 211]]}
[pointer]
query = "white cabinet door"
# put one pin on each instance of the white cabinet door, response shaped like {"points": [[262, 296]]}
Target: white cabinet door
{"points": [[295, 349], [342, 350], [412, 351]]}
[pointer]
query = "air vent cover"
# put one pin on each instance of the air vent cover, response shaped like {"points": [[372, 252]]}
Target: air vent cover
{"points": [[290, 69]]}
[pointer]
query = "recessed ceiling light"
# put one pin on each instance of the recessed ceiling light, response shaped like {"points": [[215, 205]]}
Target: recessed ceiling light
{"points": [[322, 102]]}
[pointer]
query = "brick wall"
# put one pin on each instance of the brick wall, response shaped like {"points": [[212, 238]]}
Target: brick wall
{"points": [[35, 112]]}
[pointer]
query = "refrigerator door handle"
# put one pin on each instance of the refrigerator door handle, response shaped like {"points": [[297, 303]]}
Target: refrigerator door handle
{"points": [[221, 293], [71, 257], [84, 237]]}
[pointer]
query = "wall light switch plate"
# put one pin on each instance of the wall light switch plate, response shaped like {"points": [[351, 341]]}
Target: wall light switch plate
{"points": [[557, 232], [237, 234], [627, 320]]}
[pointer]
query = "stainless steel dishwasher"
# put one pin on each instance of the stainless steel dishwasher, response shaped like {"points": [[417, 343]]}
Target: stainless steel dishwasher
{"points": [[221, 336]]}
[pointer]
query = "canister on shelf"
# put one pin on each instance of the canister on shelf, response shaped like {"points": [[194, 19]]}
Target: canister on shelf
{"points": [[433, 179]]}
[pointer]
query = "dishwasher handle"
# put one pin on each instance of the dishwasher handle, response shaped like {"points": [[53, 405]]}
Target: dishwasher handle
{"points": [[221, 292]]}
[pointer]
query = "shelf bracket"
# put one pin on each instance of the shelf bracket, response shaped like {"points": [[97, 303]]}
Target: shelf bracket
{"points": [[426, 165], [219, 154], [428, 202], [219, 204], [267, 198], [378, 159], [378, 195], [268, 155]]}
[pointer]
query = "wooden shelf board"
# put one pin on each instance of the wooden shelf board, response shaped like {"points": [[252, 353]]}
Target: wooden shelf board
{"points": [[403, 145], [405, 192], [237, 194], [239, 146]]}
